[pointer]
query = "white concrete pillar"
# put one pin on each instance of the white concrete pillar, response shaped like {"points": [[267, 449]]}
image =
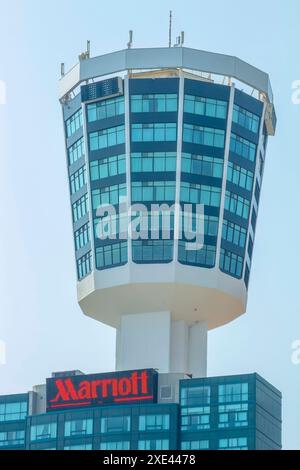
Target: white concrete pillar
{"points": [[154, 340], [197, 362]]}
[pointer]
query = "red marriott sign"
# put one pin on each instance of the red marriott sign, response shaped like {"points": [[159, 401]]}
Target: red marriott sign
{"points": [[102, 389]]}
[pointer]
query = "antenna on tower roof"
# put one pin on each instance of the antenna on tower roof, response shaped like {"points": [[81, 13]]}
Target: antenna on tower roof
{"points": [[129, 44], [170, 29]]}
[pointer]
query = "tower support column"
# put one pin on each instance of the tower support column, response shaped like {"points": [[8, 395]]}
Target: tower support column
{"points": [[154, 340]]}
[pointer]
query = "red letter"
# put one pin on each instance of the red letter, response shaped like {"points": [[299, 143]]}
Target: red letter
{"points": [[65, 389], [135, 385], [105, 383], [124, 386], [144, 381], [114, 383], [84, 392]]}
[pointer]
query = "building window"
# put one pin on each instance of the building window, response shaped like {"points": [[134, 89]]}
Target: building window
{"points": [[115, 424], [194, 445], [211, 225], [78, 180], [107, 167], [203, 136], [205, 106], [76, 151], [240, 176], [74, 123], [115, 445], [257, 192], [191, 396], [154, 161], [79, 447], [12, 438], [154, 444], [201, 165], [13, 411], [111, 255], [153, 191], [230, 393], [195, 419], [233, 415], [40, 432], [105, 109], [154, 103], [242, 147], [80, 208], [156, 132], [78, 427], [154, 422], [84, 265], [107, 138], [231, 263], [200, 194], [152, 251], [108, 195], [253, 219], [261, 165], [234, 233], [237, 205], [205, 257], [250, 247], [235, 443], [82, 236], [245, 119], [247, 275]]}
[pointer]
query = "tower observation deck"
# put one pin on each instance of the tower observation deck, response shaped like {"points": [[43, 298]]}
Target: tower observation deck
{"points": [[152, 129]]}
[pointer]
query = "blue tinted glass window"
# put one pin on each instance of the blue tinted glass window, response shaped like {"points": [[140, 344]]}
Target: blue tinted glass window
{"points": [[82, 236], [234, 233], [195, 445], [240, 176], [152, 251], [243, 147], [200, 194], [154, 103], [78, 180], [204, 257], [12, 438], [245, 119], [13, 411], [106, 167], [105, 109], [76, 151], [107, 138], [84, 265], [203, 136], [158, 191], [74, 123], [115, 424], [41, 432], [157, 132], [202, 165], [78, 427], [153, 444], [154, 422], [111, 255], [80, 208], [108, 195], [237, 205], [115, 445], [153, 161], [205, 106], [231, 263]]}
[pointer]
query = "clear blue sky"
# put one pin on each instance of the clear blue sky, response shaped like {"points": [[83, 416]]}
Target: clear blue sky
{"points": [[40, 321]]}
